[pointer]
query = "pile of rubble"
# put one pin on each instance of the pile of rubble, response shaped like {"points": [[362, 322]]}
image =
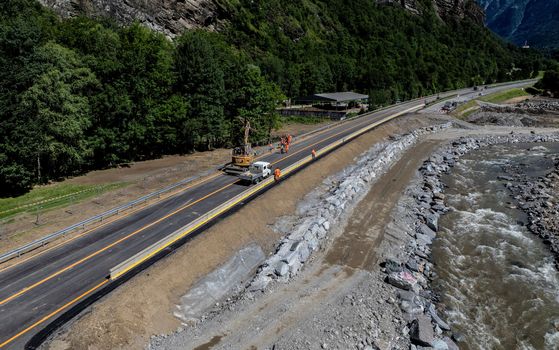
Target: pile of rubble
{"points": [[539, 106], [537, 197], [313, 229]]}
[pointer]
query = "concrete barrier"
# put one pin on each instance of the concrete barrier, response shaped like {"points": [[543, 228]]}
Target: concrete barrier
{"points": [[157, 247]]}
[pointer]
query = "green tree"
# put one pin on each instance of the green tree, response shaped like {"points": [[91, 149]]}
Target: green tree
{"points": [[55, 112], [201, 78], [257, 103]]}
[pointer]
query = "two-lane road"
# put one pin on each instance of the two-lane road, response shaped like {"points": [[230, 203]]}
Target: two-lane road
{"points": [[36, 291]]}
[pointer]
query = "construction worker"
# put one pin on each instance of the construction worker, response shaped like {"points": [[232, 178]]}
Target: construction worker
{"points": [[287, 148], [277, 174], [288, 139], [313, 153]]}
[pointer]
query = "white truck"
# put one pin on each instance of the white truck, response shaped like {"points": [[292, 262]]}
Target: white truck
{"points": [[256, 172]]}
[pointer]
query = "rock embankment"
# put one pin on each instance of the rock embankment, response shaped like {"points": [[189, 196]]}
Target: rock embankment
{"points": [[526, 114], [411, 272], [325, 214], [537, 197], [539, 106]]}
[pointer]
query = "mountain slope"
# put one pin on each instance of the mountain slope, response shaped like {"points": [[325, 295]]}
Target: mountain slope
{"points": [[533, 21], [85, 93], [172, 17]]}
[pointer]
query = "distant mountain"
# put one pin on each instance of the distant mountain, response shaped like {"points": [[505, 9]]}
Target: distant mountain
{"points": [[533, 21]]}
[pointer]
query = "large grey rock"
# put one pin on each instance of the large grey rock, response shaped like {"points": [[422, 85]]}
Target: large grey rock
{"points": [[281, 269], [260, 283], [403, 280], [439, 344], [423, 239], [392, 266], [451, 344], [421, 331], [313, 243], [432, 221], [433, 312]]}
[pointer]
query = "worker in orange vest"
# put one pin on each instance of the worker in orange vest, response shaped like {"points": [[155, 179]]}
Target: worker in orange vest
{"points": [[313, 153], [287, 148], [288, 139], [277, 174]]}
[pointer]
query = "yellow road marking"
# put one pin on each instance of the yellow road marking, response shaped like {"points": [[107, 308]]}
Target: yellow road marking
{"points": [[169, 243], [26, 289], [53, 313], [110, 221], [34, 285], [253, 191], [116, 218]]}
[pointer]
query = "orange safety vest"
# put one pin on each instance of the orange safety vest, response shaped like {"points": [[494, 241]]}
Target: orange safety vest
{"points": [[289, 139], [277, 174]]}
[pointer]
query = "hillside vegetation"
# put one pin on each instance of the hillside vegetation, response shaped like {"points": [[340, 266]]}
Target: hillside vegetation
{"points": [[535, 22], [83, 94]]}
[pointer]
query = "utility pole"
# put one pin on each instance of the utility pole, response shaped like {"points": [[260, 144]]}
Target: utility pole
{"points": [[37, 211]]}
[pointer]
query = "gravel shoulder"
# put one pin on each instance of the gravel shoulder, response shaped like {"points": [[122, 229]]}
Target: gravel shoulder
{"points": [[338, 300], [144, 306]]}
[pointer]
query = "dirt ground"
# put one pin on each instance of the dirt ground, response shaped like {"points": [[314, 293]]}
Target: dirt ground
{"points": [[143, 178], [307, 312], [126, 318], [516, 100]]}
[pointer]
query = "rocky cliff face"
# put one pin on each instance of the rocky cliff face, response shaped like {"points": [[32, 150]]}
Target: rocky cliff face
{"points": [[533, 21], [447, 9], [171, 17]]}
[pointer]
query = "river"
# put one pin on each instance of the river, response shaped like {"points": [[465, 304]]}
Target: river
{"points": [[497, 280]]}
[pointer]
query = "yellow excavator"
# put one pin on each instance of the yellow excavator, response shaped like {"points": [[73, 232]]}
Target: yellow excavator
{"points": [[243, 156]]}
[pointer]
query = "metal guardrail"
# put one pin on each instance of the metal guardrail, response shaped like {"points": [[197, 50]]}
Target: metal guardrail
{"points": [[97, 218], [146, 254], [115, 211], [142, 200]]}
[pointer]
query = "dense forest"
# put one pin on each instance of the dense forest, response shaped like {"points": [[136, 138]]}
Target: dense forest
{"points": [[83, 94]]}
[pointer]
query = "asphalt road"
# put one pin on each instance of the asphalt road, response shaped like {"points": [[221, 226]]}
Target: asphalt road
{"points": [[37, 291], [470, 94]]}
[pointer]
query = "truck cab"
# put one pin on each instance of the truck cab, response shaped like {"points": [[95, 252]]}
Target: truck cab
{"points": [[256, 172]]}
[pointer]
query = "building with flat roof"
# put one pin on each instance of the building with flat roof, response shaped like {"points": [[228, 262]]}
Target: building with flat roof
{"points": [[333, 105], [334, 98]]}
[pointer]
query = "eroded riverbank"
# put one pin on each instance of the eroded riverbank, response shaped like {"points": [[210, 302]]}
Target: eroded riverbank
{"points": [[413, 272], [496, 279]]}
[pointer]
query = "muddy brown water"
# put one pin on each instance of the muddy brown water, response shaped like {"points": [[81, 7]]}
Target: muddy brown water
{"points": [[497, 280]]}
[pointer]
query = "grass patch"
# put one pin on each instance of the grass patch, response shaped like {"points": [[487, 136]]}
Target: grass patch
{"points": [[466, 109], [45, 198], [503, 96]]}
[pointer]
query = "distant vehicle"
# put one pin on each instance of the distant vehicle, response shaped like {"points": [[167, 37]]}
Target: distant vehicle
{"points": [[449, 106], [256, 172]]}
